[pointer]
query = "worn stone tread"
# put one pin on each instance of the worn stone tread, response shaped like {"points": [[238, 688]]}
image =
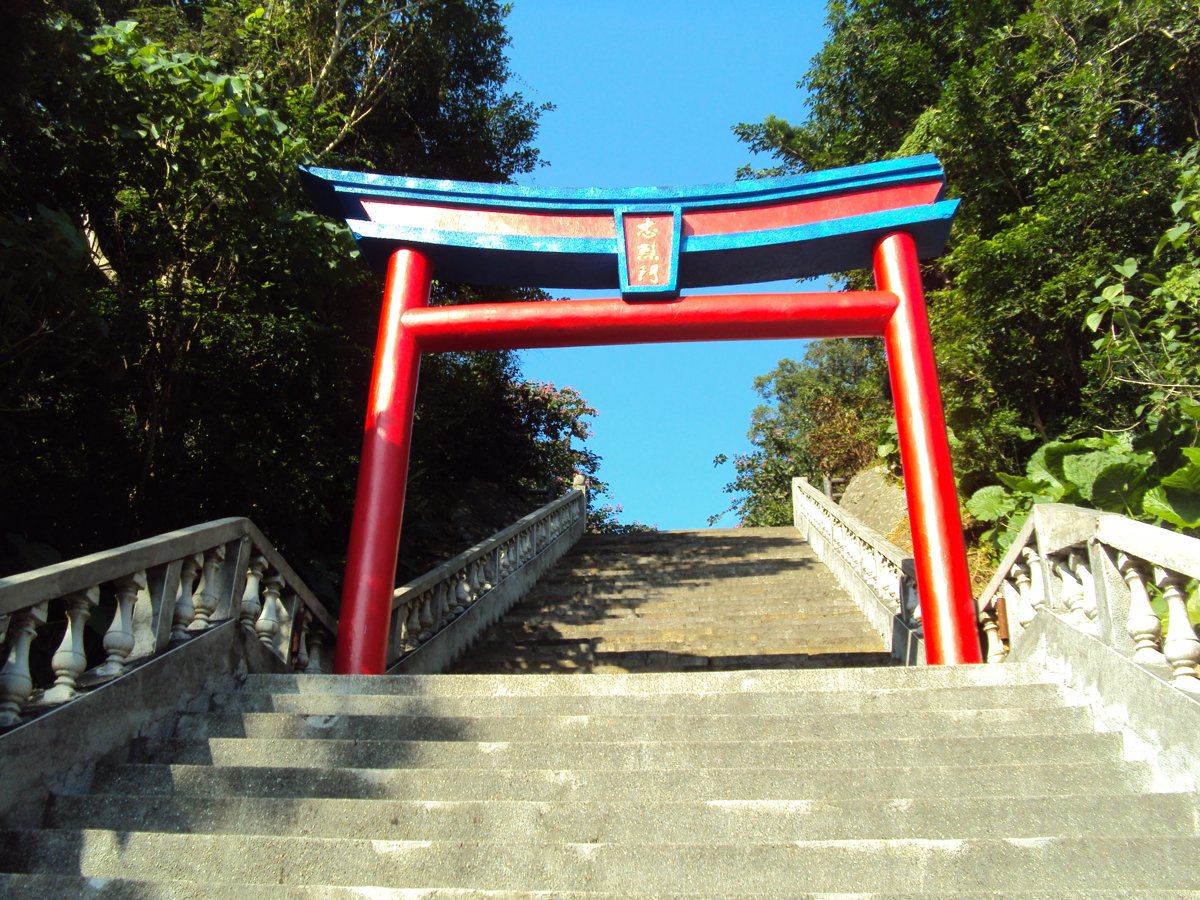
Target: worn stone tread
{"points": [[542, 728], [679, 683], [721, 820], [895, 702], [1042, 864], [762, 782], [627, 754], [42, 886]]}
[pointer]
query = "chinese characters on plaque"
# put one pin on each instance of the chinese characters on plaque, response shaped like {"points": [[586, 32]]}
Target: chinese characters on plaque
{"points": [[648, 255]]}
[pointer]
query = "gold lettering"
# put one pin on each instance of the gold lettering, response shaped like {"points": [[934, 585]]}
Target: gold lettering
{"points": [[647, 230]]}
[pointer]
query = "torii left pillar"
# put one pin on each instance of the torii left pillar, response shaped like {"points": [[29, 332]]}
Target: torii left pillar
{"points": [[383, 473]]}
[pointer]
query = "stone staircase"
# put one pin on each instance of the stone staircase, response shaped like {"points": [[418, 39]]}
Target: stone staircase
{"points": [[848, 781], [747, 598], [897, 782]]}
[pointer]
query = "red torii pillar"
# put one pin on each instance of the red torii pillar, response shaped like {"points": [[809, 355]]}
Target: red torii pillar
{"points": [[885, 214]]}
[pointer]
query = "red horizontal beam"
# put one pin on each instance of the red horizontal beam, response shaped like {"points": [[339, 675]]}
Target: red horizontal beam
{"points": [[582, 323]]}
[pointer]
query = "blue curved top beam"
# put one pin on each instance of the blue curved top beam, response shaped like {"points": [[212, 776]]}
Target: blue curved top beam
{"points": [[650, 241]]}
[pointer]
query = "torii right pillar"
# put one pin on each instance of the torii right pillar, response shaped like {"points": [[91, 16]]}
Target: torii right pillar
{"points": [[947, 607]]}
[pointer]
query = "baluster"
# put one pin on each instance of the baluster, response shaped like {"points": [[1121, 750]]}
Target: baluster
{"points": [[437, 609], [996, 651], [1020, 577], [282, 643], [1090, 608], [425, 616], [446, 600], [315, 640], [185, 611], [118, 640], [412, 627], [1072, 590], [1039, 596], [251, 600], [479, 582], [1143, 626], [70, 660], [267, 627], [462, 592], [16, 683], [1181, 647], [206, 599], [300, 663]]}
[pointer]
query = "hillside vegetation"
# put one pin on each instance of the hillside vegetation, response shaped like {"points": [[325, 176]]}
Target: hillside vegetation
{"points": [[1063, 312]]}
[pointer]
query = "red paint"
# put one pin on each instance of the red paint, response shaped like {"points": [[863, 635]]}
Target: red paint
{"points": [[490, 221], [601, 225], [947, 607], [365, 618], [577, 323], [408, 327], [805, 212], [648, 251]]}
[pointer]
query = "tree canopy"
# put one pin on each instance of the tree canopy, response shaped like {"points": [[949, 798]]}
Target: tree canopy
{"points": [[1062, 125], [181, 338]]}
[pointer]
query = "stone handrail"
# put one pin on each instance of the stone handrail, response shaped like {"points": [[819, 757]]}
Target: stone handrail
{"points": [[158, 592], [476, 587], [1104, 574], [876, 573]]}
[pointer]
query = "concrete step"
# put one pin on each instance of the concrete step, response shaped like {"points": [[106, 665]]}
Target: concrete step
{"points": [[911, 751], [856, 681], [585, 661], [42, 886], [749, 648], [897, 702], [718, 617], [642, 631], [718, 821], [547, 728], [845, 781], [1011, 865]]}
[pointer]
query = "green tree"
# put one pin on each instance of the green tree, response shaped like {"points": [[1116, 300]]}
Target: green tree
{"points": [[182, 337], [1147, 346], [1058, 123], [824, 416]]}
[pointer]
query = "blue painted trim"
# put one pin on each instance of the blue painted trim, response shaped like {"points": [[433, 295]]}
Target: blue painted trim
{"points": [[669, 289], [802, 251], [741, 258], [334, 190]]}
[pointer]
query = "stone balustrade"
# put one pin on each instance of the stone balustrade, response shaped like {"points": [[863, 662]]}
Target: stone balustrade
{"points": [[152, 595], [1123, 582], [876, 573], [476, 587]]}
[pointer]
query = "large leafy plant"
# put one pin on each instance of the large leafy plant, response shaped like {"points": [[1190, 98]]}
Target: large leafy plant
{"points": [[1145, 317]]}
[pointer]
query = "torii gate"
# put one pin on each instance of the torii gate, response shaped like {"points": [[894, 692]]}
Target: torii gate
{"points": [[649, 243]]}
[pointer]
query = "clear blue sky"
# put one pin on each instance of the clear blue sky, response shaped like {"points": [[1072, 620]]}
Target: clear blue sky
{"points": [[646, 93]]}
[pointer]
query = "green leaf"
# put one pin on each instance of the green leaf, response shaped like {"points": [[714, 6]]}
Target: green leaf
{"points": [[1082, 469], [990, 503], [1119, 488], [1185, 478], [1020, 485], [1094, 318], [1128, 268], [1173, 506]]}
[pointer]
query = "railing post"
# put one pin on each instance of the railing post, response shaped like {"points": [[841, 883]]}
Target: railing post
{"points": [[947, 608], [379, 501]]}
